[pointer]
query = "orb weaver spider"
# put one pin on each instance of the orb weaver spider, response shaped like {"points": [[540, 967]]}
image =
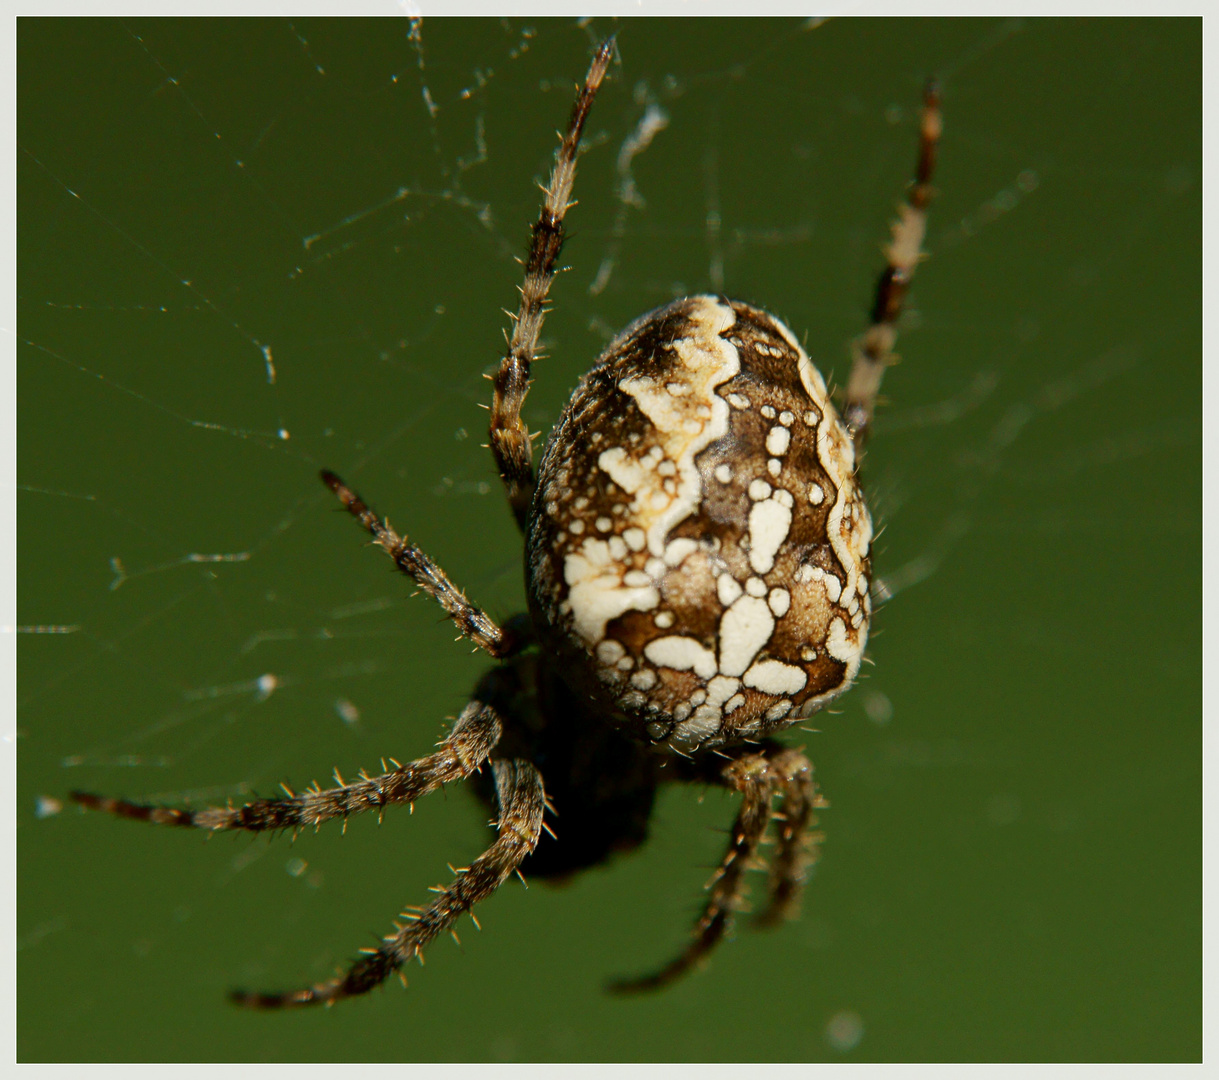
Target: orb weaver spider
{"points": [[697, 569]]}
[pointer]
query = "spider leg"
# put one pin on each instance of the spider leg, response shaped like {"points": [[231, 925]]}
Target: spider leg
{"points": [[873, 352], [521, 797], [757, 775], [510, 442], [474, 623], [461, 754], [797, 847]]}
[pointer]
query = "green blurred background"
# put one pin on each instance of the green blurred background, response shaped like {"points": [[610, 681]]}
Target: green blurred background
{"points": [[1012, 867]]}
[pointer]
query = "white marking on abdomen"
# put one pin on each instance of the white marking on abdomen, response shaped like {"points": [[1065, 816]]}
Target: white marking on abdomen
{"points": [[841, 645], [688, 424], [720, 689], [779, 601], [727, 588], [627, 474], [775, 678], [677, 550], [596, 591], [681, 654], [744, 629], [769, 522]]}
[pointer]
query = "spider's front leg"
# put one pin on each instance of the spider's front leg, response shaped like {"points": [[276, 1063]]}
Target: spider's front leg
{"points": [[500, 641], [510, 440], [873, 352], [759, 775], [518, 787], [459, 756]]}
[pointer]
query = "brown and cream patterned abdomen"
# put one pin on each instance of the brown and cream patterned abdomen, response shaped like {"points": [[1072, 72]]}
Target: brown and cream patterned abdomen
{"points": [[698, 556]]}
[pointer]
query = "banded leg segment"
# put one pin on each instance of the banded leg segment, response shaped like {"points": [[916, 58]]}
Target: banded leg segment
{"points": [[460, 755], [758, 776], [873, 352], [510, 441], [797, 848], [518, 786], [474, 623]]}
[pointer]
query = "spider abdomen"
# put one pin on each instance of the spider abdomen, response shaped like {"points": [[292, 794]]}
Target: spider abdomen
{"points": [[698, 545]]}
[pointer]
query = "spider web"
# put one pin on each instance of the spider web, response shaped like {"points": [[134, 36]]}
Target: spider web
{"points": [[251, 250]]}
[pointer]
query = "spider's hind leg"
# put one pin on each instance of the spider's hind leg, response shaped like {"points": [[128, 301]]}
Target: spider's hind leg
{"points": [[758, 775], [518, 786], [797, 845]]}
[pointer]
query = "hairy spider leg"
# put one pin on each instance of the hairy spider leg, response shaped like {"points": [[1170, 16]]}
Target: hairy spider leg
{"points": [[461, 754], [798, 846], [518, 787], [510, 439], [873, 351], [474, 623], [758, 776]]}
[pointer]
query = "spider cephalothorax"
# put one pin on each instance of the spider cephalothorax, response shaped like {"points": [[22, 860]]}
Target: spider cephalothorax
{"points": [[697, 567]]}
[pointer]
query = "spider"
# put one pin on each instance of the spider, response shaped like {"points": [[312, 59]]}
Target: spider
{"points": [[697, 570]]}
